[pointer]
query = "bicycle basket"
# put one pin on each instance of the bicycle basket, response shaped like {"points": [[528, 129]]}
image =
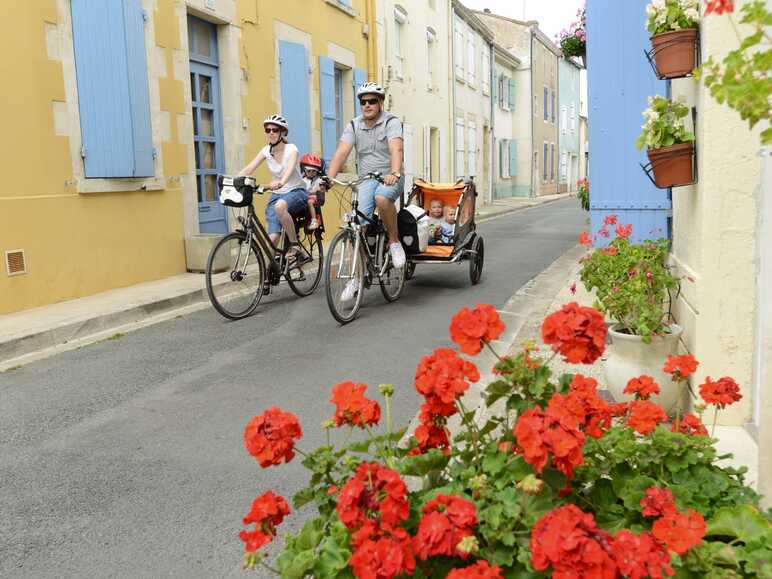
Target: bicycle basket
{"points": [[236, 191]]}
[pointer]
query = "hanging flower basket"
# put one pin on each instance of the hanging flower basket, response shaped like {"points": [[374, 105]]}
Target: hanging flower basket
{"points": [[675, 53], [672, 166]]}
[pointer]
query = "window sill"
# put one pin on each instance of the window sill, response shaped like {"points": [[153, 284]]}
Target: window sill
{"points": [[120, 185], [343, 7]]}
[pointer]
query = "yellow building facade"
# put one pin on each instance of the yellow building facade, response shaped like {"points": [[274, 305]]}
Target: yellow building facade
{"points": [[124, 111]]}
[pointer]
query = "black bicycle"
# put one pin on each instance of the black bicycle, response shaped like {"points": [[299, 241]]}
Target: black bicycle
{"points": [[244, 265], [356, 257]]}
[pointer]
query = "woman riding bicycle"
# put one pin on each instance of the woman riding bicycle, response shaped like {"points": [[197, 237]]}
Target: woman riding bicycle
{"points": [[289, 195]]}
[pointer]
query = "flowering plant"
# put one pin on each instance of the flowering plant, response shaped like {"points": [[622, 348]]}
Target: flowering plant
{"points": [[664, 124], [573, 40], [584, 193], [631, 280], [672, 15], [559, 482]]}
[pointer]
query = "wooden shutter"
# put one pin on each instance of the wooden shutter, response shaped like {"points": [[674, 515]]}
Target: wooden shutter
{"points": [[327, 107], [511, 95], [360, 78], [513, 158], [293, 68]]}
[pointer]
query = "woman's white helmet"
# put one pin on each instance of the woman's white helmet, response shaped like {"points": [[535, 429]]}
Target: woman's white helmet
{"points": [[277, 120], [371, 88]]}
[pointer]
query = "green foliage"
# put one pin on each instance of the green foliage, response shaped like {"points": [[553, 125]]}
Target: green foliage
{"points": [[743, 79], [671, 15], [664, 125], [583, 194], [631, 282]]}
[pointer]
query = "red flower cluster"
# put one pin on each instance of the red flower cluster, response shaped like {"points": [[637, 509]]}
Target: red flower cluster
{"points": [[680, 531], [267, 512], [721, 393], [373, 494], [610, 220], [640, 556], [470, 328], [578, 333], [597, 412], [658, 502], [624, 231], [351, 406], [271, 437], [642, 387], [584, 239], [383, 555], [446, 521], [645, 415], [541, 434], [680, 367], [569, 541], [718, 6], [480, 570], [689, 424]]}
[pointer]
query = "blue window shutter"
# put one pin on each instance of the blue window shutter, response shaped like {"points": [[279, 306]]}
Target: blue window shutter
{"points": [[502, 144], [511, 94], [360, 78], [327, 106], [513, 158], [546, 104], [109, 45], [495, 88], [544, 170], [293, 68]]}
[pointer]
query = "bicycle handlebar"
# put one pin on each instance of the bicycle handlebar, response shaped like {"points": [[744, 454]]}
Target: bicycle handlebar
{"points": [[377, 176]]}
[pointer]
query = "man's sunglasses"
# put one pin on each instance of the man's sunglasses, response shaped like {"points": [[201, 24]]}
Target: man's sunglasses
{"points": [[364, 102], [269, 130]]}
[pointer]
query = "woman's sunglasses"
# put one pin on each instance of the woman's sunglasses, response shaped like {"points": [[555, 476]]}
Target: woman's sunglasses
{"points": [[364, 102], [269, 130]]}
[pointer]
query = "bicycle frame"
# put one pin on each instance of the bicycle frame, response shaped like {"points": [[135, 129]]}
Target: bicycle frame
{"points": [[257, 232]]}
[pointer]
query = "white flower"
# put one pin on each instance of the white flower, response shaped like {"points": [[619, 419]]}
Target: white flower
{"points": [[692, 14]]}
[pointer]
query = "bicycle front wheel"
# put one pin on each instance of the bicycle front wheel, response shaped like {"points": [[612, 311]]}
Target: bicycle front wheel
{"points": [[234, 276], [345, 275], [305, 272], [393, 280]]}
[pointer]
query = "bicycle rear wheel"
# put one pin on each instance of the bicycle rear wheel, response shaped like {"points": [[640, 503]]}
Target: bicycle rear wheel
{"points": [[304, 273], [393, 280], [344, 277], [234, 276]]}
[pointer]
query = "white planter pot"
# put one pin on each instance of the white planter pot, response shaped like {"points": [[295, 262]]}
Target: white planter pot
{"points": [[630, 357]]}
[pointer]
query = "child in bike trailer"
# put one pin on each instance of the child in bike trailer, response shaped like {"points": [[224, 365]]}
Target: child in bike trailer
{"points": [[312, 168]]}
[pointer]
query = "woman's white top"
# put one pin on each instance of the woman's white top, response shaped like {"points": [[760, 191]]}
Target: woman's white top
{"points": [[278, 169]]}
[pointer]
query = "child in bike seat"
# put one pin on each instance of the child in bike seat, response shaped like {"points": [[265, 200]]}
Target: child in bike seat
{"points": [[448, 226], [312, 168], [436, 210]]}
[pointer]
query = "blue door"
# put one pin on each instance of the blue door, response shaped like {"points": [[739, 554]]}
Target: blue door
{"points": [[207, 124], [619, 82]]}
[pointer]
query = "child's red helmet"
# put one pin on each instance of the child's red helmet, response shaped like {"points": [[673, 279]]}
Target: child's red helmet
{"points": [[312, 161]]}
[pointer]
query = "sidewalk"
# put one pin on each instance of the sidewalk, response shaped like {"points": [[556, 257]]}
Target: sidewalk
{"points": [[39, 332]]}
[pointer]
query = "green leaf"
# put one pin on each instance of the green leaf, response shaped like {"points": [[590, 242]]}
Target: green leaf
{"points": [[497, 390], [297, 564], [493, 463], [743, 522], [423, 464]]}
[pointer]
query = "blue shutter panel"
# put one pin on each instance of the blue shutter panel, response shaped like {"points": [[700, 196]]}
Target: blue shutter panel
{"points": [[360, 78], [502, 143], [293, 68], [327, 106], [511, 94], [513, 158], [108, 40]]}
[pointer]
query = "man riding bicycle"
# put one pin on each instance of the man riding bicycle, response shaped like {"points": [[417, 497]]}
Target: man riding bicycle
{"points": [[377, 136]]}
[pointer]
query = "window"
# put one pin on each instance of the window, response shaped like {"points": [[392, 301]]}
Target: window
{"points": [[553, 105], [460, 157], [339, 116], [563, 119], [458, 49], [471, 60], [573, 118], [431, 41], [400, 18], [472, 149], [486, 69], [544, 164], [503, 92], [563, 166], [546, 104], [535, 106], [503, 159], [552, 162], [511, 94]]}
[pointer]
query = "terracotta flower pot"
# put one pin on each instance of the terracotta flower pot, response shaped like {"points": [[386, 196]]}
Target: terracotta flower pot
{"points": [[674, 52], [672, 166]]}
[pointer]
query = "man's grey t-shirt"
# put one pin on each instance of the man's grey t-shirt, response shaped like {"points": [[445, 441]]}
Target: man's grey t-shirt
{"points": [[372, 143]]}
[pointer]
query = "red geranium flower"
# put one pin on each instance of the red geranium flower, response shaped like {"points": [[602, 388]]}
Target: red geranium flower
{"points": [[578, 333], [640, 556], [540, 435], [480, 570], [657, 502], [271, 437], [267, 512], [603, 231], [721, 393], [680, 531], [383, 556], [569, 541], [351, 406], [444, 376], [375, 493], [430, 435], [642, 387], [611, 251], [645, 415], [624, 231], [446, 521], [691, 425], [584, 239], [680, 367], [718, 6], [610, 220], [469, 328]]}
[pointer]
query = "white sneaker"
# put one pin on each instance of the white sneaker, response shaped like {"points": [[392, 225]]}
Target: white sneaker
{"points": [[351, 289], [397, 255]]}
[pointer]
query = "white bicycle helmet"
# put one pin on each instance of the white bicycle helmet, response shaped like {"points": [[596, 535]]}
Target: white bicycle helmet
{"points": [[371, 88], [277, 120]]}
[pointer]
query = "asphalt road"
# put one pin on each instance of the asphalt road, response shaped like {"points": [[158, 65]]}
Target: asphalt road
{"points": [[125, 458]]}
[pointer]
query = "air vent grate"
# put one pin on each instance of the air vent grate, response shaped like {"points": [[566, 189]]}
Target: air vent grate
{"points": [[15, 263]]}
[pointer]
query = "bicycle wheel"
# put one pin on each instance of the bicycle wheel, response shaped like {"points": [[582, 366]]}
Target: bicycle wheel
{"points": [[234, 276], [344, 277], [477, 260], [393, 280], [303, 275]]}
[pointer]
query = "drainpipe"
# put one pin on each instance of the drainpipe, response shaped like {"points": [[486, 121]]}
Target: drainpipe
{"points": [[533, 134], [372, 52], [762, 411], [492, 136]]}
